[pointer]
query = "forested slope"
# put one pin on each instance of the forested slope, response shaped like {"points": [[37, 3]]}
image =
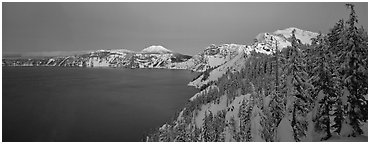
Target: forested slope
{"points": [[305, 91]]}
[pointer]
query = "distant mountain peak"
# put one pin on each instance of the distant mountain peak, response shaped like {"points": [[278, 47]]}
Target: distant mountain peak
{"points": [[303, 35], [156, 49], [284, 34], [265, 41]]}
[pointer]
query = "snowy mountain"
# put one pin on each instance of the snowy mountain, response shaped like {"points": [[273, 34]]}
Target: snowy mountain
{"points": [[214, 56], [218, 59], [156, 49], [266, 41], [151, 57], [303, 35]]}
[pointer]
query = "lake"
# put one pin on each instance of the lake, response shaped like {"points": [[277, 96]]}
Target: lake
{"points": [[89, 104]]}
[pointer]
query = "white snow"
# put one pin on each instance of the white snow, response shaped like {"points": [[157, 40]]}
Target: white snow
{"points": [[364, 127], [234, 108], [310, 129], [344, 98], [285, 131], [153, 60], [304, 36], [346, 129], [50, 61], [203, 92], [214, 61], [121, 51], [266, 101], [235, 105], [360, 138], [232, 111], [237, 63], [256, 128], [189, 65], [214, 108], [267, 43], [98, 62], [311, 134], [156, 49], [214, 56]]}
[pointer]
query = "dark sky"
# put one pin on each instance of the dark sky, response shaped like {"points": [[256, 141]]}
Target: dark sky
{"points": [[182, 27]]}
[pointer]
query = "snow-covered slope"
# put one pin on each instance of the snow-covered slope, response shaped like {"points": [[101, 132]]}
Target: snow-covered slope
{"points": [[212, 57], [235, 64]]}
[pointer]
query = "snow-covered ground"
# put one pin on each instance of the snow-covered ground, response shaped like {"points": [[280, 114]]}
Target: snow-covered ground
{"points": [[203, 92], [360, 138], [232, 110]]}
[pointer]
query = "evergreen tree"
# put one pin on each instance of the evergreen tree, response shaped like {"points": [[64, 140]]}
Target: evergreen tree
{"points": [[296, 87], [208, 130], [244, 114], [276, 105], [335, 44], [353, 70], [336, 36], [325, 85], [219, 126]]}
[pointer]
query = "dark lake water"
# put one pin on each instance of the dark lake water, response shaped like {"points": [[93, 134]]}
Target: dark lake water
{"points": [[88, 104]]}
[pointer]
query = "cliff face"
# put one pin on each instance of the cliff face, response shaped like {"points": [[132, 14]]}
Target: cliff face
{"points": [[151, 57]]}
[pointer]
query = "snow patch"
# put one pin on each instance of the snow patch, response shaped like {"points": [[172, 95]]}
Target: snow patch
{"points": [[347, 139], [256, 127], [285, 131]]}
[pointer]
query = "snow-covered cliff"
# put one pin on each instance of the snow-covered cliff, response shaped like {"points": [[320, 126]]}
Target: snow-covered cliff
{"points": [[219, 59], [151, 57]]}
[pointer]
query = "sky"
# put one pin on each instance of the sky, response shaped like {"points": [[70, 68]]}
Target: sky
{"points": [[187, 28]]}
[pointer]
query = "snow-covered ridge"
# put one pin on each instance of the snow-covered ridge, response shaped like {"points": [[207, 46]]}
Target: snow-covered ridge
{"points": [[303, 35], [156, 49], [151, 57], [232, 56], [266, 42]]}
